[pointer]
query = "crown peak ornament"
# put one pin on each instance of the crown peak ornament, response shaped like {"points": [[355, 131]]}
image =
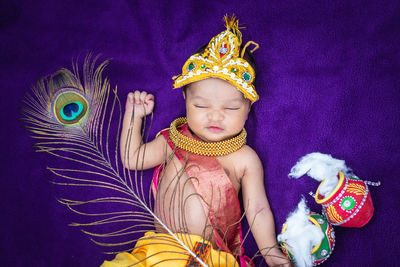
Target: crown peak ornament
{"points": [[222, 58]]}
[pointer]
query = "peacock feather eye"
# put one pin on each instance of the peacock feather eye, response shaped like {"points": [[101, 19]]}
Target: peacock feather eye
{"points": [[70, 106], [71, 111]]}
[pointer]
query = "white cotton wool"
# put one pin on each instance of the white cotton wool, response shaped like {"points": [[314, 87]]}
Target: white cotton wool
{"points": [[321, 167], [301, 235]]}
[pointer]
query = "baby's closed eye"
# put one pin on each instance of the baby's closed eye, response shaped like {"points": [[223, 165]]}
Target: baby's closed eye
{"points": [[201, 106]]}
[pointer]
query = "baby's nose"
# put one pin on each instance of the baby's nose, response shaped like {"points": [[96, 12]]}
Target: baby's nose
{"points": [[215, 115]]}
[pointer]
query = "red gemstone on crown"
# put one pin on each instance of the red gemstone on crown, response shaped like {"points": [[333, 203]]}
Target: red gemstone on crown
{"points": [[222, 50]]}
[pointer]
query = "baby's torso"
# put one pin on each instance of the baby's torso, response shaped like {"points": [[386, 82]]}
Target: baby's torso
{"points": [[180, 206]]}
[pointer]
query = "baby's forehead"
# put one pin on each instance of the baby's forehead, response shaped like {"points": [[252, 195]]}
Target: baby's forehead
{"points": [[212, 88]]}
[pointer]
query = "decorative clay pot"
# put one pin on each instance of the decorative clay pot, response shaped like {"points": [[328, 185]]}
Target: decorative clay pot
{"points": [[321, 251], [349, 204]]}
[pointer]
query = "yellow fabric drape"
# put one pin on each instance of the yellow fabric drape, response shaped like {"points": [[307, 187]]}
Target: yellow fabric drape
{"points": [[162, 250]]}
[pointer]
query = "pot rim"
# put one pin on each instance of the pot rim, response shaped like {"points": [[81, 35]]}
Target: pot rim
{"points": [[338, 186]]}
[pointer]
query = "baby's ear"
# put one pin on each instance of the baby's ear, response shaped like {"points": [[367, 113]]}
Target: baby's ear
{"points": [[250, 104]]}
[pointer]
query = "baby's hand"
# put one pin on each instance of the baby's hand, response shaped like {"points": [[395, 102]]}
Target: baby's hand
{"points": [[140, 103]]}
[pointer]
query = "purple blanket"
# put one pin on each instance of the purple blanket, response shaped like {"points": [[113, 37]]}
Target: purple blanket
{"points": [[328, 80]]}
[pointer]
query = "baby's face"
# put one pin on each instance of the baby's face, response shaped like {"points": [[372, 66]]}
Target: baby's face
{"points": [[215, 109]]}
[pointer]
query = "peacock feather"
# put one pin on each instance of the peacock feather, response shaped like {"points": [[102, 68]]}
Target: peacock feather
{"points": [[72, 115]]}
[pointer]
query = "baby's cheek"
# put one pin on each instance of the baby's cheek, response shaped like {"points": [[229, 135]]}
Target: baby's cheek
{"points": [[192, 113]]}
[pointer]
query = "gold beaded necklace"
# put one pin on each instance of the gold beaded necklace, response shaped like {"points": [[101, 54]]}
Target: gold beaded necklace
{"points": [[203, 148]]}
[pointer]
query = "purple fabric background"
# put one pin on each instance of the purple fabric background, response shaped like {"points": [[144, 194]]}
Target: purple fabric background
{"points": [[327, 77]]}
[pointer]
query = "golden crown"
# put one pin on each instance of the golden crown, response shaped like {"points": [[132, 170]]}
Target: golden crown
{"points": [[221, 59]]}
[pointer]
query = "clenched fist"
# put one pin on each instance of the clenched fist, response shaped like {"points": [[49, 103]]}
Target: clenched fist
{"points": [[140, 103]]}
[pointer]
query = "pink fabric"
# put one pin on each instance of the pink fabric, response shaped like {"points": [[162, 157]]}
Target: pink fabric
{"points": [[220, 200], [154, 184]]}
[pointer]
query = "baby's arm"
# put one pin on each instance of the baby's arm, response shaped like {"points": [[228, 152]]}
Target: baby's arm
{"points": [[258, 212], [134, 154]]}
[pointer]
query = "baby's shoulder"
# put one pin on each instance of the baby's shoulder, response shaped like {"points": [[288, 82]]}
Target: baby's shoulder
{"points": [[246, 157], [247, 151]]}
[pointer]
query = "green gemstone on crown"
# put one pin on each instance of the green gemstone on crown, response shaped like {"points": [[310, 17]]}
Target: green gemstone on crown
{"points": [[203, 66], [191, 66], [234, 70], [246, 76]]}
